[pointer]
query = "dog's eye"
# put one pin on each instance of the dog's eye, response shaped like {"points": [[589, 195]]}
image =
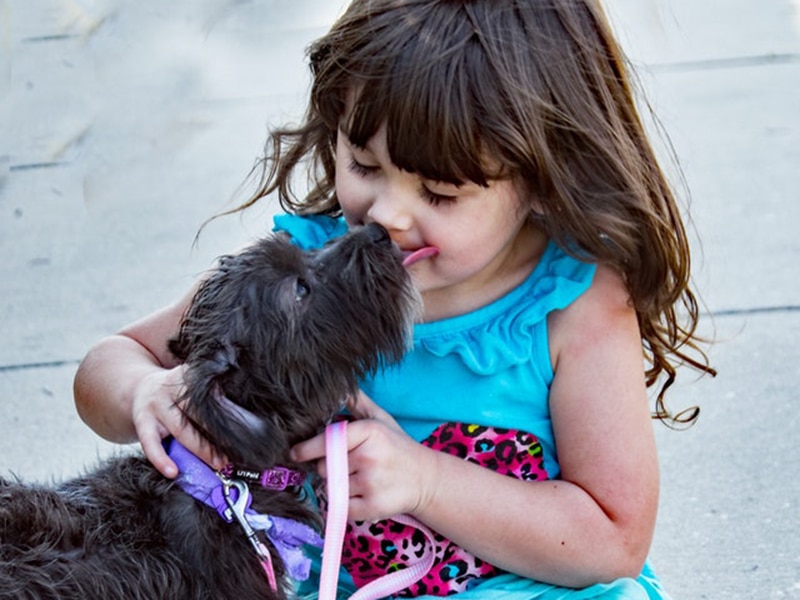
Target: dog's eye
{"points": [[301, 289]]}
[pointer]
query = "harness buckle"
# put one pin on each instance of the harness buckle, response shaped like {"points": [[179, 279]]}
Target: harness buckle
{"points": [[279, 478]]}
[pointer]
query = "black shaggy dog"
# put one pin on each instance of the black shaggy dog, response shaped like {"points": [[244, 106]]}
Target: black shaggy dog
{"points": [[273, 341]]}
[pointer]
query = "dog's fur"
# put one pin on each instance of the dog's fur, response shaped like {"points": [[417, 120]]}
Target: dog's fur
{"points": [[273, 341]]}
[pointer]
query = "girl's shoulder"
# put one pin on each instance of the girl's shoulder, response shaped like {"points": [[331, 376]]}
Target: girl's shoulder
{"points": [[513, 329], [309, 231], [603, 312]]}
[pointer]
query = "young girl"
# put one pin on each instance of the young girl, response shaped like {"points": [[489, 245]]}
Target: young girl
{"points": [[498, 143]]}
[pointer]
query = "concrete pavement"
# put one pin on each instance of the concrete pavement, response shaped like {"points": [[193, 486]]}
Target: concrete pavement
{"points": [[125, 125]]}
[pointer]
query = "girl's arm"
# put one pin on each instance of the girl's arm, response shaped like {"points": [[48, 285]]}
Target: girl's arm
{"points": [[125, 388], [596, 523]]}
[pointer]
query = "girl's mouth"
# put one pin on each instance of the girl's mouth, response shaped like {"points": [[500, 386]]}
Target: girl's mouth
{"points": [[411, 257]]}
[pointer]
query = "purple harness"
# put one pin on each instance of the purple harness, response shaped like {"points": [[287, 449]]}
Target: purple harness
{"points": [[201, 482]]}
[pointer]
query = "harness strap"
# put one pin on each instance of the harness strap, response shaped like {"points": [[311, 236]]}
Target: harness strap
{"points": [[336, 523]]}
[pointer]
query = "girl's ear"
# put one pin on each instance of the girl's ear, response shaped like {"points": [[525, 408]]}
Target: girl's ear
{"points": [[535, 204], [529, 199]]}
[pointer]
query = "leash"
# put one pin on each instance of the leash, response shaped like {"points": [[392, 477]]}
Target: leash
{"points": [[336, 519], [336, 523]]}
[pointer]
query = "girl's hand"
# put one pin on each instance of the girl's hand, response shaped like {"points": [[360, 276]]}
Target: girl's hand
{"points": [[156, 415], [127, 386], [390, 473]]}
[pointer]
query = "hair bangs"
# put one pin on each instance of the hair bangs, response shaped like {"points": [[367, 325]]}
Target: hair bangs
{"points": [[422, 84], [424, 135]]}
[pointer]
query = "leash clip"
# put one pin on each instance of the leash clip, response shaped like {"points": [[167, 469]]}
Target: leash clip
{"points": [[238, 503], [237, 509]]}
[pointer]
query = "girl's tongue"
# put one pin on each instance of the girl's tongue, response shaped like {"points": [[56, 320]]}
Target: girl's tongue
{"points": [[420, 254]]}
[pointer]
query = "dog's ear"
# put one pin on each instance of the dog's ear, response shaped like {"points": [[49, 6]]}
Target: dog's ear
{"points": [[234, 431]]}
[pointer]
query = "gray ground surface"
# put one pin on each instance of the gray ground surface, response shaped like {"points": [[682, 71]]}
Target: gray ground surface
{"points": [[125, 125]]}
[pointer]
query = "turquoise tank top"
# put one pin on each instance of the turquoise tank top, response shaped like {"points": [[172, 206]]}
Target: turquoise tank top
{"points": [[489, 367]]}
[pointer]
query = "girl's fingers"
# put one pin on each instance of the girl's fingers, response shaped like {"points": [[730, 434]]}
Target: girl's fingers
{"points": [[363, 409], [155, 453], [199, 446], [152, 429], [314, 448], [309, 450]]}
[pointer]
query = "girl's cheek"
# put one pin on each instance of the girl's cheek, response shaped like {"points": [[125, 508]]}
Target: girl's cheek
{"points": [[346, 200], [354, 202]]}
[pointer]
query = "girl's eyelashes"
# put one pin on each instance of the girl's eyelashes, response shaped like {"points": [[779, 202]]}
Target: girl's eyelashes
{"points": [[435, 199], [361, 170], [432, 198]]}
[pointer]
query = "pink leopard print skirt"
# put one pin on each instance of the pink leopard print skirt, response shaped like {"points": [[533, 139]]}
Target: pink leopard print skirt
{"points": [[374, 549]]}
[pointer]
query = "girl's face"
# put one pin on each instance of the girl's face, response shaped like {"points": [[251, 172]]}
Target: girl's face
{"points": [[468, 245]]}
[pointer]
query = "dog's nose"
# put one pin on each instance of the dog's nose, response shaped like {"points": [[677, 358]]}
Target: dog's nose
{"points": [[378, 234]]}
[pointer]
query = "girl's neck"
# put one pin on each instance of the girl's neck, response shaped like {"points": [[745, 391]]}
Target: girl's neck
{"points": [[495, 282]]}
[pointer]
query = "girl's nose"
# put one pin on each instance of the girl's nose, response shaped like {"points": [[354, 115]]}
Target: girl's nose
{"points": [[392, 209]]}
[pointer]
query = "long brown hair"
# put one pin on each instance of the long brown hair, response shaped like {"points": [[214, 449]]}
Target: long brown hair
{"points": [[539, 87]]}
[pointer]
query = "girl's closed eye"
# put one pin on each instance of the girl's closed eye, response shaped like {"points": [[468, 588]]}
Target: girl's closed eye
{"points": [[360, 169], [365, 171], [435, 199]]}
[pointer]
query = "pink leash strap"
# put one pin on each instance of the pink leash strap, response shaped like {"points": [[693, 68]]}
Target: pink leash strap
{"points": [[393, 582], [338, 498], [336, 523]]}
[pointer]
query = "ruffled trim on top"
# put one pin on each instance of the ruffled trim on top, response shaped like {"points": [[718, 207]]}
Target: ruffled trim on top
{"points": [[502, 334], [495, 336], [309, 232]]}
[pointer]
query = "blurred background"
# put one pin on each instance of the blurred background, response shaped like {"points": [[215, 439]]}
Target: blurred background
{"points": [[124, 126]]}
